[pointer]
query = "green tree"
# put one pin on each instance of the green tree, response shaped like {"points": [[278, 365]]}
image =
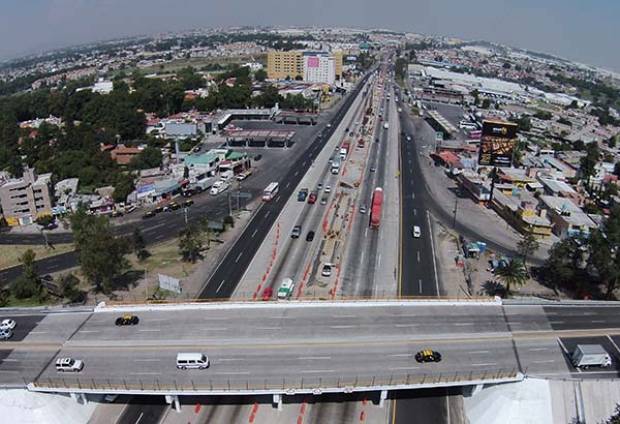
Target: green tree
{"points": [[190, 244], [28, 284], [260, 75], [190, 79], [604, 244], [512, 273], [587, 164], [486, 103], [69, 287], [123, 186], [526, 246], [100, 254], [150, 157], [138, 244], [615, 418]]}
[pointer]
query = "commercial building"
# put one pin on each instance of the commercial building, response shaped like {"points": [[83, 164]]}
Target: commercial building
{"points": [[285, 64], [25, 199], [319, 67], [519, 210], [568, 219], [311, 66]]}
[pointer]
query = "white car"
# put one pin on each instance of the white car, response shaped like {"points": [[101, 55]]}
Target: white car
{"points": [[7, 324], [328, 189], [416, 231], [69, 364], [6, 334], [327, 270]]}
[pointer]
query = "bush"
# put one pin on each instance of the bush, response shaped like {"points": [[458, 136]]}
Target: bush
{"points": [[230, 221]]}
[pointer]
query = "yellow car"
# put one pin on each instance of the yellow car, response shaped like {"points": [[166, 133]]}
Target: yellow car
{"points": [[127, 319], [428, 355]]}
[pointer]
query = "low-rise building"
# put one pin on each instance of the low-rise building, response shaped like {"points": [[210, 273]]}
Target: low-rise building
{"points": [[519, 210], [25, 199], [567, 218]]}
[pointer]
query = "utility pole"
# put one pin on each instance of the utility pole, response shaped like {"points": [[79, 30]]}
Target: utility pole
{"points": [[456, 206], [229, 206], [185, 214]]}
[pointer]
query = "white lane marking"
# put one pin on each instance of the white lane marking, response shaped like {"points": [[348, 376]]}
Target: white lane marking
{"points": [[220, 286], [366, 233], [314, 358], [315, 371], [344, 316], [277, 199], [139, 418], [232, 373], [267, 214], [254, 233], [296, 172], [379, 261], [287, 185], [268, 328], [148, 360], [10, 371], [418, 256], [538, 349], [547, 361], [145, 373], [149, 330], [231, 359], [478, 351], [401, 355], [415, 212], [214, 328], [563, 347], [362, 257], [598, 321], [239, 257], [342, 326], [10, 360], [304, 163], [484, 365], [89, 331], [613, 343], [403, 368], [430, 230], [556, 322], [462, 324], [38, 332], [419, 283], [405, 325]]}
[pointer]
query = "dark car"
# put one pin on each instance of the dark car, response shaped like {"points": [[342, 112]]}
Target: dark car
{"points": [[127, 319], [148, 214], [188, 203], [258, 157], [428, 355], [312, 198], [310, 236], [301, 196], [158, 209]]}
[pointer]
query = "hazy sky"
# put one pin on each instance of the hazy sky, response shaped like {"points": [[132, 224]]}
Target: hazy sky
{"points": [[584, 30]]}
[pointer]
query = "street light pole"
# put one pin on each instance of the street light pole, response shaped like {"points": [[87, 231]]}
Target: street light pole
{"points": [[456, 206]]}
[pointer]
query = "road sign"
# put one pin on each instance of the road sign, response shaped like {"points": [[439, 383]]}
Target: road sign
{"points": [[169, 283]]}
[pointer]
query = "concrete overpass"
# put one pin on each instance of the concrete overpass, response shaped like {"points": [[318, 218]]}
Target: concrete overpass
{"points": [[286, 348]]}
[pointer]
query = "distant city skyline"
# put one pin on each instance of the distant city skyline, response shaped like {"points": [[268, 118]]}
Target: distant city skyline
{"points": [[581, 31]]}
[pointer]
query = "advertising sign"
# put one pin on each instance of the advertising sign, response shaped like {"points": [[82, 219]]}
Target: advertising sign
{"points": [[497, 143], [169, 283]]}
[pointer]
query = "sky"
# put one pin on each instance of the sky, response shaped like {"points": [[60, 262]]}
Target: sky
{"points": [[580, 30]]}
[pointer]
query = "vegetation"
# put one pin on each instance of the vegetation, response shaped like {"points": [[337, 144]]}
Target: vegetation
{"points": [[526, 246], [190, 244], [587, 164], [28, 284], [100, 254], [512, 273]]}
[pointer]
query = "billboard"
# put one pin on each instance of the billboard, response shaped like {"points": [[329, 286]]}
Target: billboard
{"points": [[497, 143]]}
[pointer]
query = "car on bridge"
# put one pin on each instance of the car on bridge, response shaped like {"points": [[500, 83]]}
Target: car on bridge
{"points": [[69, 364], [127, 319], [6, 334], [7, 324], [428, 355]]}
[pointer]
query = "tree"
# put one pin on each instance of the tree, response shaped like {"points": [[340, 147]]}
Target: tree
{"points": [[527, 245], [486, 103], [190, 79], [69, 287], [587, 164], [260, 75], [123, 186], [190, 244], [511, 273], [28, 285], [150, 157], [604, 256], [615, 418], [138, 244], [100, 254]]}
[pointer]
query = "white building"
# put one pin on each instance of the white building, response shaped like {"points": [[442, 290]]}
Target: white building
{"points": [[319, 67]]}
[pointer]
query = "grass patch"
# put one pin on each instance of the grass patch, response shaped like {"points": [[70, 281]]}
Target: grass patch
{"points": [[12, 301], [10, 253]]}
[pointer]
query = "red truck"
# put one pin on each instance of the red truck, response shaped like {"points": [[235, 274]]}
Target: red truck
{"points": [[375, 209]]}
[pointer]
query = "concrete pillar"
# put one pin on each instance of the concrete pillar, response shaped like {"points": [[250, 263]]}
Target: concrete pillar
{"points": [[277, 401], [382, 398], [79, 398], [174, 401], [476, 389]]}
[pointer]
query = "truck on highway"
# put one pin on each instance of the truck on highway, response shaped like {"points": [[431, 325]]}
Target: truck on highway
{"points": [[344, 150], [590, 355], [386, 125], [375, 209]]}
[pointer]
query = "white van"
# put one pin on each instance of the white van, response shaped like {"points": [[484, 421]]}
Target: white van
{"points": [[192, 361], [218, 187], [227, 175]]}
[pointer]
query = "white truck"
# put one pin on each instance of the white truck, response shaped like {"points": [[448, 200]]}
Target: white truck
{"points": [[590, 355]]}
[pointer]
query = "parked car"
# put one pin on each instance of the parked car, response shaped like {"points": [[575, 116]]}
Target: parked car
{"points": [[188, 203], [148, 214], [258, 157], [174, 206], [127, 319], [158, 209], [7, 324]]}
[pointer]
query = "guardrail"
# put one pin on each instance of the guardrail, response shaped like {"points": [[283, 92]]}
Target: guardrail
{"points": [[291, 386]]}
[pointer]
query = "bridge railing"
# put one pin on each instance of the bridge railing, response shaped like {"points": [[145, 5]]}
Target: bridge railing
{"points": [[284, 385]]}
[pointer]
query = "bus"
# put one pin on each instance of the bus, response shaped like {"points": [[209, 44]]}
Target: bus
{"points": [[270, 191]]}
